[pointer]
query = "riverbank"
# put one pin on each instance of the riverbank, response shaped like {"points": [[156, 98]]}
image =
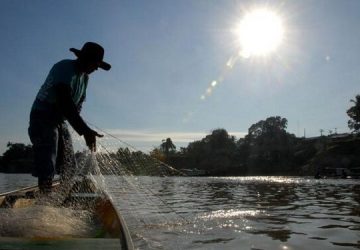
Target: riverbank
{"points": [[299, 157]]}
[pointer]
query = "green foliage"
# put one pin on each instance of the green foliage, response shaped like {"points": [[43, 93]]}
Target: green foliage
{"points": [[354, 114], [17, 158], [214, 153], [219, 149], [274, 125], [125, 162], [267, 149], [158, 154], [270, 147], [16, 151], [165, 151], [132, 162], [167, 147]]}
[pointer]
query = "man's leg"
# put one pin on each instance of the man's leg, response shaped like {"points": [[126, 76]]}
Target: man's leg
{"points": [[65, 162], [44, 137]]}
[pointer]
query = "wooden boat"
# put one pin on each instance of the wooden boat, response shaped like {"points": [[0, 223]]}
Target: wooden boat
{"points": [[337, 173], [112, 231]]}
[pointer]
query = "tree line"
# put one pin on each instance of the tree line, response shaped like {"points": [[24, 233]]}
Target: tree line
{"points": [[18, 158], [266, 149]]}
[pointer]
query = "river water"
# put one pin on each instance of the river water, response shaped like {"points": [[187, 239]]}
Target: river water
{"points": [[233, 212]]}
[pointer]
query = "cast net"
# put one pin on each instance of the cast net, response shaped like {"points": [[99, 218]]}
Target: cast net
{"points": [[132, 179]]}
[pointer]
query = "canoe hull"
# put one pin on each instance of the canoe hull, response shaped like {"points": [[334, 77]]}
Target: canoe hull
{"points": [[112, 231]]}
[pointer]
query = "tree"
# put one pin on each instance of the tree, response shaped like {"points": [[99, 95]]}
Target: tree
{"points": [[214, 153], [17, 151], [271, 125], [269, 145], [18, 158], [157, 154], [167, 147], [354, 114]]}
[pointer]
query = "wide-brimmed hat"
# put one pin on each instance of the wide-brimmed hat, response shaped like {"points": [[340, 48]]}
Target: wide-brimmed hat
{"points": [[92, 52]]}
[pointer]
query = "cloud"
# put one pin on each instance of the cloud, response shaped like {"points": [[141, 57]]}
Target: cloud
{"points": [[151, 136], [147, 140]]}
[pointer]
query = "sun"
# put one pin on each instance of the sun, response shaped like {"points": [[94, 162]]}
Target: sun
{"points": [[259, 33]]}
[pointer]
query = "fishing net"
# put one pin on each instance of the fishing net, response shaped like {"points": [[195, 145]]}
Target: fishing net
{"points": [[46, 221], [118, 171], [129, 176], [123, 173]]}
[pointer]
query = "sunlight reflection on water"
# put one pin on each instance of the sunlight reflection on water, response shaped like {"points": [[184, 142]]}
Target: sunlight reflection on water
{"points": [[239, 212], [232, 213], [252, 213]]}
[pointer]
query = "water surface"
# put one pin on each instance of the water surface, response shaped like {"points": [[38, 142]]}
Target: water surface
{"points": [[233, 212], [243, 212]]}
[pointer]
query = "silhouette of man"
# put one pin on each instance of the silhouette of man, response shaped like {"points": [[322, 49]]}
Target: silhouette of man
{"points": [[59, 99]]}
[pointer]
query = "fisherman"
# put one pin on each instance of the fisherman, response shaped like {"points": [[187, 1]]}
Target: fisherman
{"points": [[60, 99]]}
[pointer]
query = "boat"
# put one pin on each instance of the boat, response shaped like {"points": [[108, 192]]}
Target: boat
{"points": [[193, 172], [337, 172], [111, 228]]}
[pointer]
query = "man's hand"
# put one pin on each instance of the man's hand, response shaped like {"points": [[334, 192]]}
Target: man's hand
{"points": [[90, 139]]}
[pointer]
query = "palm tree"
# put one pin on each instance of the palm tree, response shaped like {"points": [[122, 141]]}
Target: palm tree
{"points": [[167, 147]]}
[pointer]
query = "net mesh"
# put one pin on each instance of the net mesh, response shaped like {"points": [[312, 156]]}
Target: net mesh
{"points": [[118, 171], [127, 176]]}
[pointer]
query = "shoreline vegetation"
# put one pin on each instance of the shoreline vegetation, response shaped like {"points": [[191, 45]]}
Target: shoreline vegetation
{"points": [[267, 149]]}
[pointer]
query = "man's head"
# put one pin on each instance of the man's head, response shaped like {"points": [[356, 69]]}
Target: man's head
{"points": [[91, 57]]}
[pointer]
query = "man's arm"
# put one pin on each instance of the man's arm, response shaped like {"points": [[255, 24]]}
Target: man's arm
{"points": [[79, 106], [67, 107]]}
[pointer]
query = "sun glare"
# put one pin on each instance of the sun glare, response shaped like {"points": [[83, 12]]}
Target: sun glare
{"points": [[260, 32]]}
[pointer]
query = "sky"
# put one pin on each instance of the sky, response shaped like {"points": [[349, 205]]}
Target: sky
{"points": [[166, 54]]}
